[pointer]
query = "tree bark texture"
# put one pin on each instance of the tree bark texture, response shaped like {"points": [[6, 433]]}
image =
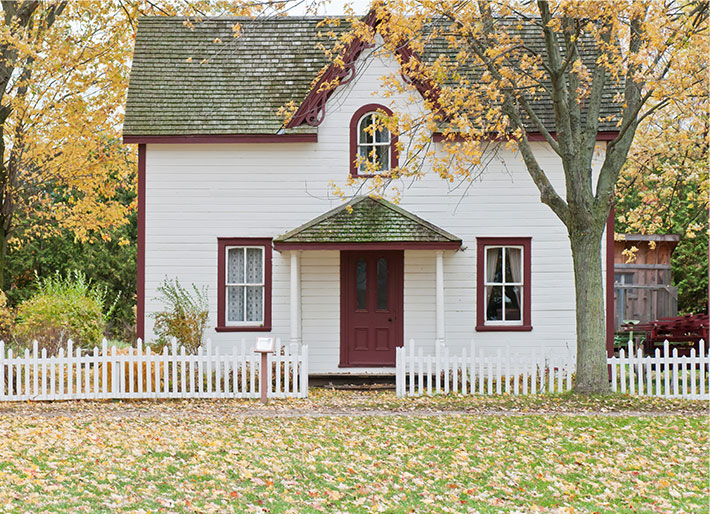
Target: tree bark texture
{"points": [[592, 374]]}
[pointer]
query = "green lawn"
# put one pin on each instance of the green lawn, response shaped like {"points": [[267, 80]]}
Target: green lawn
{"points": [[211, 457]]}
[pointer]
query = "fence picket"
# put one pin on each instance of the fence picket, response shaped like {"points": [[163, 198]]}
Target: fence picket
{"points": [[693, 389], [464, 371], [675, 372], [684, 376], [701, 371], [3, 395], [631, 367], [666, 369], [659, 391], [639, 370]]}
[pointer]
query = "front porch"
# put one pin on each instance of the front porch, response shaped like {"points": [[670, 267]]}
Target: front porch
{"points": [[360, 276]]}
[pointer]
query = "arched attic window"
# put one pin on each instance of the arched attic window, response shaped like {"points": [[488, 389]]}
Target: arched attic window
{"points": [[373, 150]]}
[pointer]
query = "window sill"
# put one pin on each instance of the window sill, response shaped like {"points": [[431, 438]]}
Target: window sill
{"points": [[373, 175], [260, 328], [503, 328]]}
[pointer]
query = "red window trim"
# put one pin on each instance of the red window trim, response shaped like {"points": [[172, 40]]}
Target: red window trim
{"points": [[394, 156], [481, 243], [222, 244]]}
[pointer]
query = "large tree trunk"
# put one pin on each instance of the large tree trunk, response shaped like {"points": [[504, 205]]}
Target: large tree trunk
{"points": [[592, 375]]}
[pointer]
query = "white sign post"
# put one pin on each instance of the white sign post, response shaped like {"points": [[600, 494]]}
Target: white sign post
{"points": [[264, 346]]}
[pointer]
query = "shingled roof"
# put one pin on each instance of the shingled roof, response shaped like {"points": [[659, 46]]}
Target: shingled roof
{"points": [[198, 79], [367, 220]]}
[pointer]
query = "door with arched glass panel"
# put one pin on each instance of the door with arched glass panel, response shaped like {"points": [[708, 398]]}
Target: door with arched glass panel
{"points": [[371, 290]]}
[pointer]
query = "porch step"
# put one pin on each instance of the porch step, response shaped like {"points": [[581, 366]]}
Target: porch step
{"points": [[354, 383]]}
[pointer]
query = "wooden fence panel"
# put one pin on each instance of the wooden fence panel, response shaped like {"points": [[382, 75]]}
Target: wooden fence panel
{"points": [[664, 374], [140, 373]]}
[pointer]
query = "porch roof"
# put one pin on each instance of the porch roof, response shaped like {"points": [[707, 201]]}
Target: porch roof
{"points": [[367, 223]]}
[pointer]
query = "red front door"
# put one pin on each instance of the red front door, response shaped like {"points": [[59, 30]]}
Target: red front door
{"points": [[371, 302]]}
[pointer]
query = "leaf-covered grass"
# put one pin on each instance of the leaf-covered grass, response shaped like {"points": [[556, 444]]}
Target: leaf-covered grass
{"points": [[327, 401], [232, 456], [354, 464]]}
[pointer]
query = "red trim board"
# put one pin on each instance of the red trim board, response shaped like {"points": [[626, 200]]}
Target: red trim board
{"points": [[481, 243], [140, 257], [610, 228], [222, 244], [404, 245], [222, 138]]}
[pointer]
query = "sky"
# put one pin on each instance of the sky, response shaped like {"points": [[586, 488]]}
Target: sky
{"points": [[331, 7]]}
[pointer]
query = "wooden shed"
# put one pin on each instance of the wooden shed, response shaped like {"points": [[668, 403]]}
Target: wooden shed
{"points": [[642, 287]]}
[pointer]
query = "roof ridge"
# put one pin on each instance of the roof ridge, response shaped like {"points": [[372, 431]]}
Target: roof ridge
{"points": [[229, 18]]}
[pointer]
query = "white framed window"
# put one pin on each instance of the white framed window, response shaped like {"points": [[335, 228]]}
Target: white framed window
{"points": [[504, 285], [245, 285], [373, 144]]}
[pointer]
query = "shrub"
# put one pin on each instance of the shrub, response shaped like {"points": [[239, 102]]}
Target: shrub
{"points": [[185, 315], [64, 307]]}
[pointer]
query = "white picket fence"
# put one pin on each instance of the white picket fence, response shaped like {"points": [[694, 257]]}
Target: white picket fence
{"points": [[664, 374], [139, 373], [477, 371]]}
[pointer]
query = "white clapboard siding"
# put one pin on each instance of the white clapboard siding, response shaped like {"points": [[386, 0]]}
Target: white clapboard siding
{"points": [[664, 374], [196, 193], [103, 373], [475, 371]]}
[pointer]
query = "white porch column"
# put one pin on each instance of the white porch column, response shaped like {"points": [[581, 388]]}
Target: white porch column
{"points": [[440, 319], [296, 297]]}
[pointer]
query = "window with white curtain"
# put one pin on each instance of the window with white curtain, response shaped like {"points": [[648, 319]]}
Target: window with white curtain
{"points": [[373, 144], [503, 285], [245, 285]]}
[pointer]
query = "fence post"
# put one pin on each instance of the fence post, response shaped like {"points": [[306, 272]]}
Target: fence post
{"points": [[2, 370], [398, 371], [693, 389], [666, 369], [409, 372], [702, 358], [304, 371], [631, 367], [35, 368]]}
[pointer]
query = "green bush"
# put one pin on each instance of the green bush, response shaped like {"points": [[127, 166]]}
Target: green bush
{"points": [[63, 308], [185, 315]]}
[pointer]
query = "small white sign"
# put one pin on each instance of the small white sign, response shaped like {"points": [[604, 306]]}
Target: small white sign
{"points": [[264, 345]]}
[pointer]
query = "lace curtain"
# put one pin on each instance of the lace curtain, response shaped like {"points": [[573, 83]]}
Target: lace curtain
{"points": [[245, 288]]}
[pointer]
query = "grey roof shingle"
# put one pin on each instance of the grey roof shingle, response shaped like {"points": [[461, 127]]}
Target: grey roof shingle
{"points": [[367, 220], [201, 80]]}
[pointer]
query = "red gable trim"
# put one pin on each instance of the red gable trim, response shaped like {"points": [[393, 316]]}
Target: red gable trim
{"points": [[610, 228], [385, 245], [222, 138], [532, 136], [312, 109]]}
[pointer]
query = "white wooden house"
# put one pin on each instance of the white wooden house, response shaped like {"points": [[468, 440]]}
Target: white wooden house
{"points": [[232, 199]]}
